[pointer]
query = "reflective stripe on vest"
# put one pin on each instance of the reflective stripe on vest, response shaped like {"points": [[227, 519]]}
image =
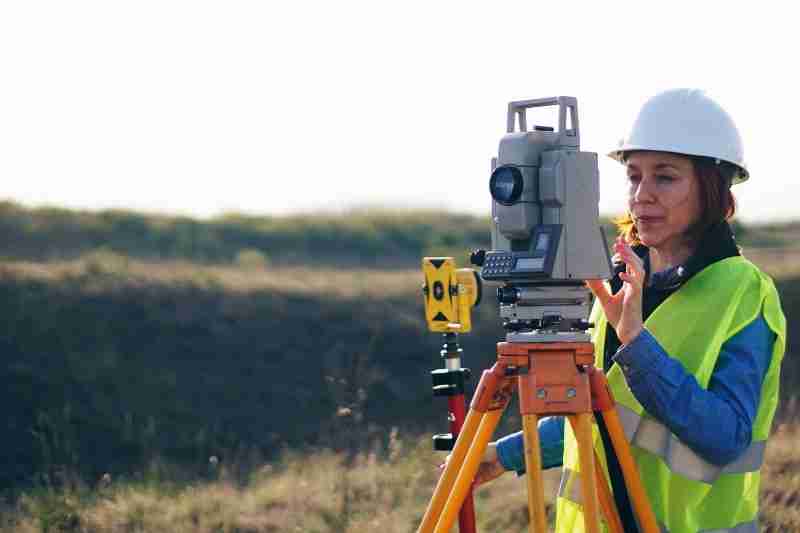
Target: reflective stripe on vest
{"points": [[653, 436], [574, 495], [745, 527]]}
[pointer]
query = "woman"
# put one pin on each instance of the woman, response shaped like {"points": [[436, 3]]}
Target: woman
{"points": [[689, 333]]}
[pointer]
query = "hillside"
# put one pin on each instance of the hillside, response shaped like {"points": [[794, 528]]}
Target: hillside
{"points": [[114, 359], [362, 238], [356, 239], [107, 366]]}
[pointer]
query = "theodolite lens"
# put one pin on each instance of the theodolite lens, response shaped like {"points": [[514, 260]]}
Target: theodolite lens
{"points": [[506, 185]]}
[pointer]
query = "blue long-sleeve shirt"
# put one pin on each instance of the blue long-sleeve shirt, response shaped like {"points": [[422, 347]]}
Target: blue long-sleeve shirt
{"points": [[715, 422]]}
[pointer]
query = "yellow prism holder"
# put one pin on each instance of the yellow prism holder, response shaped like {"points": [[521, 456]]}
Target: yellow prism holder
{"points": [[450, 294]]}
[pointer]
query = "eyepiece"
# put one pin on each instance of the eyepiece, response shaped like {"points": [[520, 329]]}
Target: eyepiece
{"points": [[506, 185]]}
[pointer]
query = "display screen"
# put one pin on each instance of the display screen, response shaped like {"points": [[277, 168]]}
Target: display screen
{"points": [[542, 242], [530, 263]]}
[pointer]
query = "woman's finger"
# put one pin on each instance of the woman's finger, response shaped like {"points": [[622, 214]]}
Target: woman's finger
{"points": [[599, 289], [629, 256], [633, 261], [632, 278]]}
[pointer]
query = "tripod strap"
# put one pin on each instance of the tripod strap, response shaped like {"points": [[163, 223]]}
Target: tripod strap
{"points": [[621, 497]]}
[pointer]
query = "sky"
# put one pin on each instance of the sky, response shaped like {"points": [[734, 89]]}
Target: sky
{"points": [[204, 108]]}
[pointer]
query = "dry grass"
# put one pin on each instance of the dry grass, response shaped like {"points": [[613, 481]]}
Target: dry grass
{"points": [[777, 262], [103, 268], [383, 490], [780, 489], [254, 276]]}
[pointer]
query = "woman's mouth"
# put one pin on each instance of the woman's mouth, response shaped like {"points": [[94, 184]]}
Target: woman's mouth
{"points": [[648, 220]]}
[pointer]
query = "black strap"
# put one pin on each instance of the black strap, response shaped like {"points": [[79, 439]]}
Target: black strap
{"points": [[621, 498]]}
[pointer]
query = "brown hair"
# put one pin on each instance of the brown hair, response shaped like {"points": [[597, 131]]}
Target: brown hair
{"points": [[717, 203]]}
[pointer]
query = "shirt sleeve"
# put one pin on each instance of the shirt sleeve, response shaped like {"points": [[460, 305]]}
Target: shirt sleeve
{"points": [[715, 422], [511, 448]]}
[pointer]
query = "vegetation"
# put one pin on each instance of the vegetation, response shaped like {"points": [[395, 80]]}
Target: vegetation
{"points": [[385, 488], [360, 238], [385, 239], [110, 362], [382, 489], [133, 354]]}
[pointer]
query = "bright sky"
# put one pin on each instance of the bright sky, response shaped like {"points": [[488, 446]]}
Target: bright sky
{"points": [[201, 107]]}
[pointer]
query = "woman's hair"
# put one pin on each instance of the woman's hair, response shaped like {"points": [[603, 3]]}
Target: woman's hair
{"points": [[717, 203]]}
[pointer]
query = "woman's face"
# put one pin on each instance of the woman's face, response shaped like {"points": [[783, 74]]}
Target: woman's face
{"points": [[663, 197]]}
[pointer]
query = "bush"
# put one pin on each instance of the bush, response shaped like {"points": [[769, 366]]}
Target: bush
{"points": [[251, 259]]}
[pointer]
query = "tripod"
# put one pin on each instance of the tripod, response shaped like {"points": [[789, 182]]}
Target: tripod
{"points": [[554, 378]]}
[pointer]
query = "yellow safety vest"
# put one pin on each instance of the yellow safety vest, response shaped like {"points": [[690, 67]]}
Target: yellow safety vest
{"points": [[687, 493]]}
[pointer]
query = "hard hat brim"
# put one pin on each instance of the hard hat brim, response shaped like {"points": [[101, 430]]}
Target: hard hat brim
{"points": [[618, 155]]}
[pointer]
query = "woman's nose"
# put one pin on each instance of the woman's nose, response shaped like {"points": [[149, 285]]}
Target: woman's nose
{"points": [[643, 191]]}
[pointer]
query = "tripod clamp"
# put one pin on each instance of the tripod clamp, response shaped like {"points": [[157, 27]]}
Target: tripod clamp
{"points": [[450, 382]]}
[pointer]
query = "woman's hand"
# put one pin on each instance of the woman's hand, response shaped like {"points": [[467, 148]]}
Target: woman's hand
{"points": [[624, 309], [489, 468]]}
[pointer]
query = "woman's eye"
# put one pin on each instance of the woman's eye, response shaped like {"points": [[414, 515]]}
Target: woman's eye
{"points": [[665, 179], [634, 178]]}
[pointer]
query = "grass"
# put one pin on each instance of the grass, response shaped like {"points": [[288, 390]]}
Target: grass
{"points": [[145, 349], [378, 238], [780, 490], [252, 274], [105, 269], [360, 237], [780, 263], [383, 489]]}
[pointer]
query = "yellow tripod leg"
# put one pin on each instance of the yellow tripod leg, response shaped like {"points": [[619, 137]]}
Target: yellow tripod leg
{"points": [[641, 505], [466, 474], [448, 477], [533, 467], [582, 427]]}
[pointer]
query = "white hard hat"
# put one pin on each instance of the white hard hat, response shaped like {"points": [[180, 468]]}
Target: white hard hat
{"points": [[686, 121]]}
